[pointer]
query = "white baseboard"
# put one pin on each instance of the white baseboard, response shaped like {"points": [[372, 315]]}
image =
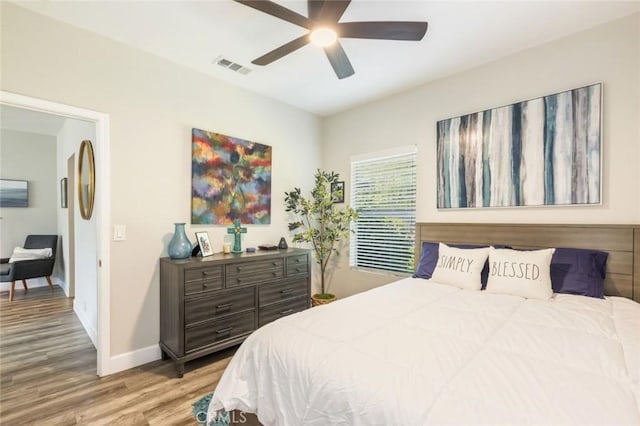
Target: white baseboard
{"points": [[91, 331], [31, 283], [133, 359]]}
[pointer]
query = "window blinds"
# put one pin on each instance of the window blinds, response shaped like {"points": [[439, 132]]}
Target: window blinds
{"points": [[383, 190]]}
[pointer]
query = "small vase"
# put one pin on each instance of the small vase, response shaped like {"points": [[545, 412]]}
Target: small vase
{"points": [[179, 246]]}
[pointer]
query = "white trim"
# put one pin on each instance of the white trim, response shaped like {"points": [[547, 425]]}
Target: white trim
{"points": [[35, 283], [103, 221], [103, 213], [386, 153], [91, 331], [134, 358], [32, 283]]}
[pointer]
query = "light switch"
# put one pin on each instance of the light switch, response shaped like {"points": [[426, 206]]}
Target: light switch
{"points": [[119, 233]]}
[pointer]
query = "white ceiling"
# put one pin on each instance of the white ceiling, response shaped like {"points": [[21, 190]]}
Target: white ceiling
{"points": [[25, 120], [461, 35]]}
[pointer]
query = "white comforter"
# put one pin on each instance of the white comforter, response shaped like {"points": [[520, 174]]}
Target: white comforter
{"points": [[418, 353]]}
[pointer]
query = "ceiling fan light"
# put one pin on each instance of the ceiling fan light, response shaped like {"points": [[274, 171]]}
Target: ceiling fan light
{"points": [[323, 37]]}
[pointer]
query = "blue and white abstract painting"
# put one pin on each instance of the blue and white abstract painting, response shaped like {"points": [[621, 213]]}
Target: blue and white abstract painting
{"points": [[14, 193], [544, 151]]}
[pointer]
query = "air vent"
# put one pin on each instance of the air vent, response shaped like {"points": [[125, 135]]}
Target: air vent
{"points": [[230, 65]]}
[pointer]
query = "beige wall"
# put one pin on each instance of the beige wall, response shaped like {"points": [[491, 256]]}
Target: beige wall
{"points": [[153, 104], [30, 157], [609, 54]]}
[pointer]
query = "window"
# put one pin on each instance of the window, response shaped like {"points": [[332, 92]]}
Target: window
{"points": [[383, 190]]}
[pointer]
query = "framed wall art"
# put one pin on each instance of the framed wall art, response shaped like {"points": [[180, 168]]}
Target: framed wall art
{"points": [[14, 193], [541, 152], [231, 179], [63, 193], [337, 192]]}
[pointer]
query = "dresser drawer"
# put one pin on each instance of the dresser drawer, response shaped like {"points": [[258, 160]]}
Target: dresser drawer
{"points": [[198, 280], [218, 304], [283, 309], [278, 292], [254, 272], [217, 331], [297, 265]]}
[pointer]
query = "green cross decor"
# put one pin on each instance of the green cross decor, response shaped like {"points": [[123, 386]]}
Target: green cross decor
{"points": [[236, 230]]}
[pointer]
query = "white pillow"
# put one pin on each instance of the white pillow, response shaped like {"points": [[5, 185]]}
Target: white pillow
{"points": [[20, 253], [460, 267], [520, 273]]}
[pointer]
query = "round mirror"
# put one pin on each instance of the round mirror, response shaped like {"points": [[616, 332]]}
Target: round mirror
{"points": [[86, 179]]}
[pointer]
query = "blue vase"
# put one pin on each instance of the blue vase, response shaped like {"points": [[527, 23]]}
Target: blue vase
{"points": [[179, 246]]}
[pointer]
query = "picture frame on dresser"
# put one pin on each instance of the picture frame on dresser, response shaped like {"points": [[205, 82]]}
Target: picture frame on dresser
{"points": [[205, 244]]}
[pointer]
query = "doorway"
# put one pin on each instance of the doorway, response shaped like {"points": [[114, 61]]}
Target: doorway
{"points": [[101, 212]]}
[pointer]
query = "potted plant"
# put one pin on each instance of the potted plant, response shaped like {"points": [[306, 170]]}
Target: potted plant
{"points": [[320, 223]]}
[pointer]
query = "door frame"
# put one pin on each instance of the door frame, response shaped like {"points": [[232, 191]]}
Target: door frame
{"points": [[102, 214], [71, 220]]}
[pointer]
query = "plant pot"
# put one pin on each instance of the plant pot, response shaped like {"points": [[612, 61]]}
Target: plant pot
{"points": [[322, 299]]}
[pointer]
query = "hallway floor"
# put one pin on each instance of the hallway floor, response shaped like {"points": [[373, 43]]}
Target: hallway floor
{"points": [[48, 365]]}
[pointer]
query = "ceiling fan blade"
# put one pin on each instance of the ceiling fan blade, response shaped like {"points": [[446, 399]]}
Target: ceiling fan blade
{"points": [[332, 10], [281, 51], [274, 9], [313, 8], [412, 31], [339, 60]]}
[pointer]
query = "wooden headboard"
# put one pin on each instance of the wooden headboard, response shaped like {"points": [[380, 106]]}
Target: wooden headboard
{"points": [[622, 242]]}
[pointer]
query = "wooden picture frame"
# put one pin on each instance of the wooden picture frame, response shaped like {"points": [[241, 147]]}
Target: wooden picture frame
{"points": [[337, 192], [205, 244]]}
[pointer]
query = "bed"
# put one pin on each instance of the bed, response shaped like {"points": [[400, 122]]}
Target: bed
{"points": [[418, 352]]}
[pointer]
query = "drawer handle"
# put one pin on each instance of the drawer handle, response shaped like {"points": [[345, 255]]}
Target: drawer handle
{"points": [[288, 311], [238, 280], [238, 268], [298, 269], [204, 285], [224, 330], [205, 273], [274, 274], [297, 260], [274, 264], [286, 290], [224, 306]]}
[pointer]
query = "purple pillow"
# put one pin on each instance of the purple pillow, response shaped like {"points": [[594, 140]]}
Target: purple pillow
{"points": [[579, 271], [429, 260]]}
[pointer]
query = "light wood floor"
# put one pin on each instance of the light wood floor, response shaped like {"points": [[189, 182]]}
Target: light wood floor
{"points": [[48, 365]]}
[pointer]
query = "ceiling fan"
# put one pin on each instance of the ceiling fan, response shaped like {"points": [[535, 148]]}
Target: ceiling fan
{"points": [[324, 29]]}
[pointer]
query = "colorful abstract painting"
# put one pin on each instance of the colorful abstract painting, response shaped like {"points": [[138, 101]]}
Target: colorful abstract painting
{"points": [[231, 179], [544, 151]]}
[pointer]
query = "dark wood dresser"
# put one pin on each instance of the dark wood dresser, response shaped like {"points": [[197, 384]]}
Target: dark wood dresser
{"points": [[210, 303]]}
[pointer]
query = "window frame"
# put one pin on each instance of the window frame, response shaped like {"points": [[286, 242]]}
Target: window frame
{"points": [[392, 158]]}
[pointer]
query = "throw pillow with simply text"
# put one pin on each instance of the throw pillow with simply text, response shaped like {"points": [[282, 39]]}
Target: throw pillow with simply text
{"points": [[460, 267]]}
